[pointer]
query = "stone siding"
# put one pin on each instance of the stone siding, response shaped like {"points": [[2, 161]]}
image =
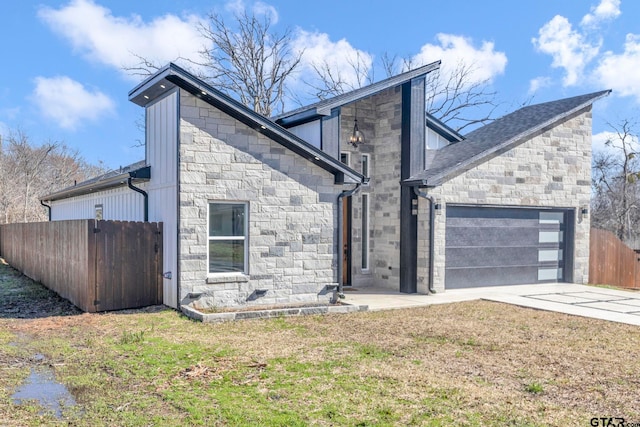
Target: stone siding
{"points": [[552, 169], [379, 118], [292, 212]]}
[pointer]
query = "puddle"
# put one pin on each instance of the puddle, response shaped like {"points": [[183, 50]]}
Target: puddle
{"points": [[42, 386]]}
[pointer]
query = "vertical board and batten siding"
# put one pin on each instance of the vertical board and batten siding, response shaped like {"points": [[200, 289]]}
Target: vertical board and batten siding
{"points": [[330, 133], [118, 204], [162, 156], [97, 265], [611, 262]]}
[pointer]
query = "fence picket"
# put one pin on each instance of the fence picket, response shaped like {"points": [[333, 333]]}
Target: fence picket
{"points": [[611, 262], [113, 269]]}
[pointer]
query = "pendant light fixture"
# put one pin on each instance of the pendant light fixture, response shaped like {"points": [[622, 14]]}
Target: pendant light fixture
{"points": [[357, 137]]}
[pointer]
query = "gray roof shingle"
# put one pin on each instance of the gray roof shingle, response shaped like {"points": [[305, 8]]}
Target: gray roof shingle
{"points": [[498, 136]]}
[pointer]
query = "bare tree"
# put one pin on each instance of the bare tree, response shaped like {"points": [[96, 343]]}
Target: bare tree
{"points": [[28, 162], [455, 98], [459, 100], [245, 59], [616, 201], [329, 81], [250, 61], [28, 171]]}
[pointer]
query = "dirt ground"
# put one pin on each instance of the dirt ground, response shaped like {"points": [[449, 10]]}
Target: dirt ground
{"points": [[473, 363]]}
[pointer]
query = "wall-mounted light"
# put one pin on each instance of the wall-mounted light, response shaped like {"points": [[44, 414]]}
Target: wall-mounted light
{"points": [[437, 206], [584, 212]]}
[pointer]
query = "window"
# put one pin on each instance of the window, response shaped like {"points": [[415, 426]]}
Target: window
{"points": [[365, 166], [344, 158], [227, 237], [365, 232], [435, 141]]}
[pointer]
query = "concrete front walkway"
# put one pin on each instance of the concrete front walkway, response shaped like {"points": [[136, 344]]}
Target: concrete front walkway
{"points": [[580, 300]]}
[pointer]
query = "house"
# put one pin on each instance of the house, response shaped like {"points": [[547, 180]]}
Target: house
{"points": [[287, 210]]}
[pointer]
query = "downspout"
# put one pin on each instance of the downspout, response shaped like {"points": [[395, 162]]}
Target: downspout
{"points": [[48, 208], [144, 194], [432, 220], [341, 196]]}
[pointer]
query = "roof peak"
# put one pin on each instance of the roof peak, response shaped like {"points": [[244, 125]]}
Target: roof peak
{"points": [[325, 106]]}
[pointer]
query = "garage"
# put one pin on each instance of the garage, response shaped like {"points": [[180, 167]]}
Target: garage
{"points": [[494, 246]]}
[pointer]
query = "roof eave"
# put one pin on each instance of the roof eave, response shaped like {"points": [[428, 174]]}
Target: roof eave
{"points": [[138, 175], [461, 167], [175, 76], [324, 108], [443, 130]]}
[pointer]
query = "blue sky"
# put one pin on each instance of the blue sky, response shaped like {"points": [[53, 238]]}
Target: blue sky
{"points": [[63, 78]]}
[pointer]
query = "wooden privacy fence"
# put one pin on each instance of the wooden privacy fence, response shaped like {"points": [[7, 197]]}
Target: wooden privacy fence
{"points": [[97, 265], [611, 262]]}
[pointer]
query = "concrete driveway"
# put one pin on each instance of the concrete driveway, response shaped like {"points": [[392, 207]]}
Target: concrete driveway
{"points": [[580, 300]]}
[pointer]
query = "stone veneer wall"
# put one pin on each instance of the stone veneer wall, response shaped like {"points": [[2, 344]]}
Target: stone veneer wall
{"points": [[292, 212], [424, 245], [552, 169], [379, 117]]}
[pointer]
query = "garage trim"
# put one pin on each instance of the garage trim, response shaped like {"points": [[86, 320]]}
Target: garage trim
{"points": [[476, 246]]}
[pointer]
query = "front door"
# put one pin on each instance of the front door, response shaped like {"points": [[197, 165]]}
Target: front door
{"points": [[346, 241]]}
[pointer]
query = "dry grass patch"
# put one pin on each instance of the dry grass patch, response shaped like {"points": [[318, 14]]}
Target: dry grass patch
{"points": [[475, 363]]}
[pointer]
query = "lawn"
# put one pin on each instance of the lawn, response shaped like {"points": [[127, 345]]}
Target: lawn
{"points": [[475, 363]]}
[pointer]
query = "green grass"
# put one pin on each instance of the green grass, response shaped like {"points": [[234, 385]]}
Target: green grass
{"points": [[534, 388], [471, 364]]}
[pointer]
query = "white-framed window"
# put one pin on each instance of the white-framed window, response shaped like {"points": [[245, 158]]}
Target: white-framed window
{"points": [[345, 157], [366, 166], [365, 231], [228, 229]]}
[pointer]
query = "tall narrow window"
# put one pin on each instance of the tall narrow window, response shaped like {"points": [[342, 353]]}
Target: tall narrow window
{"points": [[365, 231], [365, 166], [227, 237]]}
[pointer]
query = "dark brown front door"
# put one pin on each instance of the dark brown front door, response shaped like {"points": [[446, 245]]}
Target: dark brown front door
{"points": [[346, 241]]}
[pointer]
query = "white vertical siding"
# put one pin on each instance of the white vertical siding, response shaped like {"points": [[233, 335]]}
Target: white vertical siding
{"points": [[118, 204], [310, 132], [435, 141], [162, 148]]}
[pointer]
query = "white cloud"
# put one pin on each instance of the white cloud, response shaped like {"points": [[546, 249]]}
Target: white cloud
{"points": [[598, 141], [485, 61], [68, 102], [605, 11], [569, 48], [259, 8], [318, 50], [620, 71], [93, 31], [539, 83]]}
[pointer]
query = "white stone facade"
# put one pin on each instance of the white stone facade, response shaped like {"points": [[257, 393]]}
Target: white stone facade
{"points": [[379, 117], [292, 212], [552, 169]]}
